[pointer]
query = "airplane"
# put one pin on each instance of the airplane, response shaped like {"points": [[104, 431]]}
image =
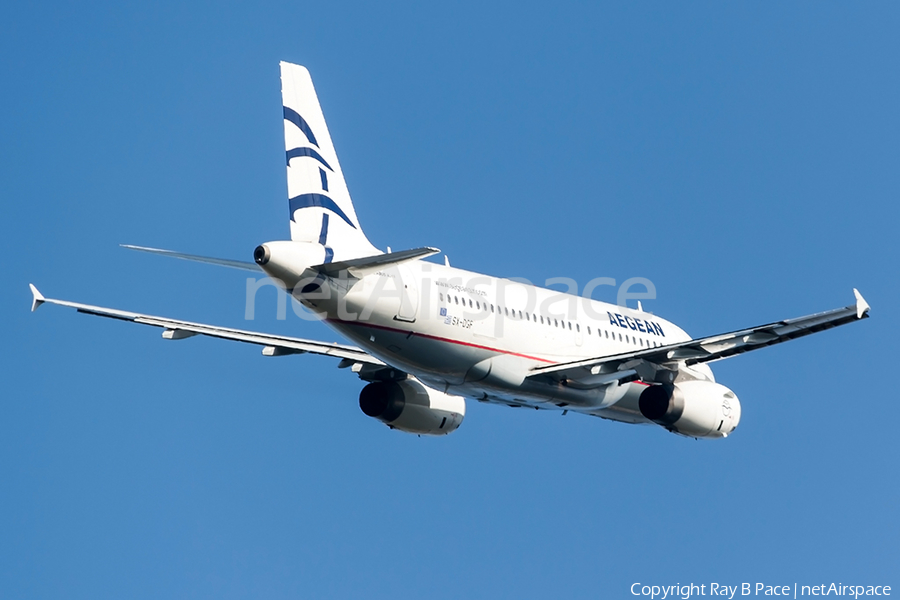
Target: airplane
{"points": [[428, 336]]}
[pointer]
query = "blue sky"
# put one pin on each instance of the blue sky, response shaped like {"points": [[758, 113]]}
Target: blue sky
{"points": [[741, 156]]}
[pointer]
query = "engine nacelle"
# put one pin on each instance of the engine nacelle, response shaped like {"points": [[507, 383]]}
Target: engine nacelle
{"points": [[693, 408], [412, 407]]}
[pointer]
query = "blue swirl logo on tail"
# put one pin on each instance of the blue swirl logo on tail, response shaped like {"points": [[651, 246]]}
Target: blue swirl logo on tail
{"points": [[291, 115], [320, 200], [312, 199], [297, 152]]}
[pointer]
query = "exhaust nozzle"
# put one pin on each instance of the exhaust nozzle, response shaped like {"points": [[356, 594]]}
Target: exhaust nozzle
{"points": [[261, 255]]}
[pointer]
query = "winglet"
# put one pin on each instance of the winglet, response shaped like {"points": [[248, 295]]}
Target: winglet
{"points": [[38, 298], [862, 307]]}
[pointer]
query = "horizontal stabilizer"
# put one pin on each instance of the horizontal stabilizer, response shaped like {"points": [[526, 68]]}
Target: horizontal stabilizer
{"points": [[360, 267], [222, 262]]}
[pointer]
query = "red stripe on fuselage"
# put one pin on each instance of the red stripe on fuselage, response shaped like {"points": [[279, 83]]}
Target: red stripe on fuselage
{"points": [[440, 339], [449, 341]]}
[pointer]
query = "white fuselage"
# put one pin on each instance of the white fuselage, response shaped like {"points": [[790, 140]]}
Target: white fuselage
{"points": [[479, 336]]}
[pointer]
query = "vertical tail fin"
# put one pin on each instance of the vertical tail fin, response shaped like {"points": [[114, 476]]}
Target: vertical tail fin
{"points": [[320, 205]]}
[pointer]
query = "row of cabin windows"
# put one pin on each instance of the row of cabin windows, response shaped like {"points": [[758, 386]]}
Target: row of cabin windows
{"points": [[602, 333]]}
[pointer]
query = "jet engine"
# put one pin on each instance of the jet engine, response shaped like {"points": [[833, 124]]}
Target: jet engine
{"points": [[412, 407], [700, 409]]}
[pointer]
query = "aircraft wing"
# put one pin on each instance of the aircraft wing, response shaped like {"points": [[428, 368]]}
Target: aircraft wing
{"points": [[273, 345], [661, 364]]}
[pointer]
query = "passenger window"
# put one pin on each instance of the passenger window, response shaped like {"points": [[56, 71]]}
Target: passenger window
{"points": [[506, 311], [589, 330], [442, 296], [471, 304], [456, 299], [577, 327]]}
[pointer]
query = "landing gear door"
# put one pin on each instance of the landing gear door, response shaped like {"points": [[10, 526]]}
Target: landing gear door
{"points": [[409, 295]]}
